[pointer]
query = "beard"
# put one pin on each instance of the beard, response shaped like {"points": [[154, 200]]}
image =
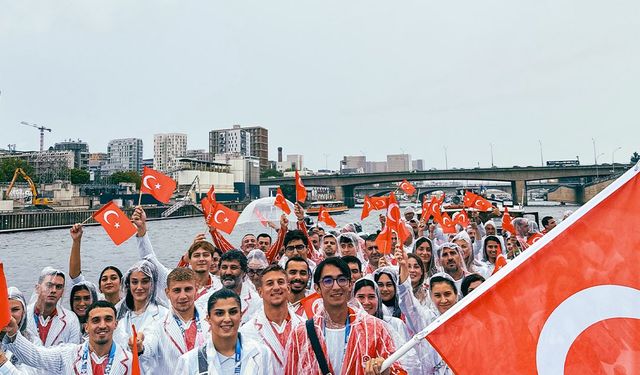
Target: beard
{"points": [[230, 282]]}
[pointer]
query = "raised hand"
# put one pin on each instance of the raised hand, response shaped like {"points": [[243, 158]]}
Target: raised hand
{"points": [[139, 219], [76, 232], [402, 259]]}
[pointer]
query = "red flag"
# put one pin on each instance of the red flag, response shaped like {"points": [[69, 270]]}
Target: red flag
{"points": [[507, 224], [301, 191], [448, 226], [367, 207], [135, 362], [207, 208], [115, 222], [461, 218], [407, 187], [309, 304], [469, 198], [373, 203], [281, 202], [211, 194], [501, 261], [157, 184], [383, 241], [533, 238], [323, 215], [436, 208], [580, 313], [223, 218], [5, 312], [393, 223], [475, 201]]}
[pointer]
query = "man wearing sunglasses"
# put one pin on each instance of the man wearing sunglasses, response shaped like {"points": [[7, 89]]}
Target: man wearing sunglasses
{"points": [[339, 339]]}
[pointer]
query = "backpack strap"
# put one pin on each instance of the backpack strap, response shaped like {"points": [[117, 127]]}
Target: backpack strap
{"points": [[317, 349]]}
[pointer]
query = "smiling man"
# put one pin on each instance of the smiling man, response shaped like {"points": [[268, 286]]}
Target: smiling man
{"points": [[273, 325], [298, 275], [227, 352], [181, 330], [99, 353], [49, 323], [351, 341], [232, 270]]}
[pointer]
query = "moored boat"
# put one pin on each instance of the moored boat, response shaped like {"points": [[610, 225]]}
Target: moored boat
{"points": [[333, 207]]}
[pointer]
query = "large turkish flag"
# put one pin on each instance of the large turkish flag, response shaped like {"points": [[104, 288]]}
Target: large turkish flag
{"points": [[570, 304]]}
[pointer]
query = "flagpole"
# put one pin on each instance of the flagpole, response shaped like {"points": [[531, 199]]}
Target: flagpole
{"points": [[86, 220], [140, 197], [415, 340]]}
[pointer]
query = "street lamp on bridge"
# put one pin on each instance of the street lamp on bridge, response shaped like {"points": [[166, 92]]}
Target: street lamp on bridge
{"points": [[613, 161], [597, 156]]}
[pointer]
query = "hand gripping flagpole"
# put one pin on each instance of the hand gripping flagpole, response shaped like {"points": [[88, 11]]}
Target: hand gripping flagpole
{"points": [[401, 351]]}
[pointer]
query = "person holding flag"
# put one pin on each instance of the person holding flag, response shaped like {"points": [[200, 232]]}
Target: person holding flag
{"points": [[443, 293], [340, 338], [182, 329], [100, 354], [273, 325], [18, 310], [228, 351], [490, 253]]}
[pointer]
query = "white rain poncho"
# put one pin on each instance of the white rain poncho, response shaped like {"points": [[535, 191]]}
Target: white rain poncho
{"points": [[258, 258], [64, 327], [396, 327], [465, 271], [146, 321], [390, 308], [472, 264], [22, 369], [93, 291], [431, 267], [351, 240]]}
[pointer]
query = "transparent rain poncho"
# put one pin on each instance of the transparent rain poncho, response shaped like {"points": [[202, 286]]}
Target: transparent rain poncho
{"points": [[391, 308], [357, 242], [471, 263], [42, 288], [396, 327], [150, 270], [16, 295], [431, 267], [257, 258]]}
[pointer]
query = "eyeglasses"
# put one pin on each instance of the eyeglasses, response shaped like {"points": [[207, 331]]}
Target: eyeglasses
{"points": [[328, 281], [256, 271], [297, 247]]}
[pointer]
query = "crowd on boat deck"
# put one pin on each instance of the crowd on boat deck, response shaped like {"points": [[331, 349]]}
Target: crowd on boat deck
{"points": [[313, 300]]}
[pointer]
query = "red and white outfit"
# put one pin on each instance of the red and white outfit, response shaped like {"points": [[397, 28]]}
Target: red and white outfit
{"points": [[68, 359], [173, 338], [273, 336], [62, 327], [368, 338]]}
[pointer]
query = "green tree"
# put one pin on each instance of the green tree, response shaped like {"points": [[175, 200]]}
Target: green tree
{"points": [[128, 176], [270, 173], [8, 167], [635, 158], [79, 176]]}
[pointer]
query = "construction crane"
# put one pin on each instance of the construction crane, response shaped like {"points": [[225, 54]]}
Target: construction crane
{"points": [[34, 191], [42, 130]]}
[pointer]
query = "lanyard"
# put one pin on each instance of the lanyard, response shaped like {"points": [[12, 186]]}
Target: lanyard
{"points": [[238, 355], [347, 331], [196, 317], [85, 358]]}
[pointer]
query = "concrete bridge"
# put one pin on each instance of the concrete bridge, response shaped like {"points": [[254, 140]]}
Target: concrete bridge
{"points": [[344, 184]]}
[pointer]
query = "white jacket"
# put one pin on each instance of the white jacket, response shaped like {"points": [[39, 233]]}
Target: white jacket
{"points": [[259, 329], [255, 359], [64, 359], [250, 301], [165, 344], [65, 328]]}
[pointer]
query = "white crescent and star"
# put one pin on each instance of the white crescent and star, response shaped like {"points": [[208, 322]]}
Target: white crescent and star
{"points": [[106, 215], [391, 207], [215, 217], [145, 183], [577, 313]]}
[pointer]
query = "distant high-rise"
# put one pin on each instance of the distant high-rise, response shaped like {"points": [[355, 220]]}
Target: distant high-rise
{"points": [[417, 165], [245, 141], [124, 155], [398, 163], [80, 152], [167, 149]]}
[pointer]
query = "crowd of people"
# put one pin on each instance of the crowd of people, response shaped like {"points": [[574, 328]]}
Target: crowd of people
{"points": [[311, 301]]}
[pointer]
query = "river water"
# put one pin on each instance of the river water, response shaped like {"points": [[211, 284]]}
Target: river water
{"points": [[25, 254]]}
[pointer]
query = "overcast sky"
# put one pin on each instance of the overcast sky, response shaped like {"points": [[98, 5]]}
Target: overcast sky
{"points": [[330, 78]]}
